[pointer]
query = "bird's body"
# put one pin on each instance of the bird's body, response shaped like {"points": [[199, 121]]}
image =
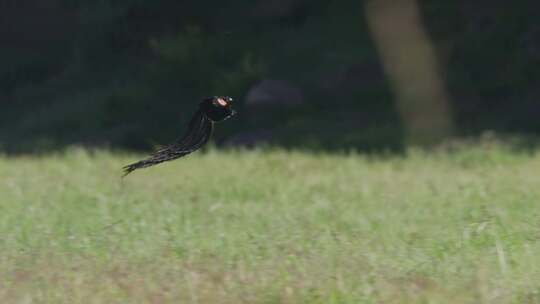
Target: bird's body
{"points": [[201, 126]]}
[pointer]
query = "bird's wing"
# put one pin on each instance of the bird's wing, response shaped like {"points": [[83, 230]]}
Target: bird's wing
{"points": [[199, 132]]}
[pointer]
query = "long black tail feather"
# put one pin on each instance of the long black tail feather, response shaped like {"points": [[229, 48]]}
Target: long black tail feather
{"points": [[199, 132]]}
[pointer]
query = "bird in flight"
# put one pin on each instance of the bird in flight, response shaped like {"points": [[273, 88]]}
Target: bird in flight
{"points": [[211, 110]]}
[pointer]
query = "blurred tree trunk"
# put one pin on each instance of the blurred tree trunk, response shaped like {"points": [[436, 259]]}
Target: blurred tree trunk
{"points": [[410, 63]]}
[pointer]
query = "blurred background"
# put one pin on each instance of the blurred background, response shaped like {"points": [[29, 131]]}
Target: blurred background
{"points": [[330, 75]]}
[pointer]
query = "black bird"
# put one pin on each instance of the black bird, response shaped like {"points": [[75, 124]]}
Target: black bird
{"points": [[211, 110]]}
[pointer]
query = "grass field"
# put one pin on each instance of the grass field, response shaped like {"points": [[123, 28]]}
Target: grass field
{"points": [[272, 227]]}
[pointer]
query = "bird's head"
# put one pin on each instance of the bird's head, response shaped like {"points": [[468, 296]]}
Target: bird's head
{"points": [[217, 108]]}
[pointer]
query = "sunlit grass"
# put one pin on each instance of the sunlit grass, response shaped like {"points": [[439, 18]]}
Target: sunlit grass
{"points": [[272, 227]]}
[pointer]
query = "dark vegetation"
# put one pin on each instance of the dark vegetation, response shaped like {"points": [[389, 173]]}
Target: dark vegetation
{"points": [[127, 74]]}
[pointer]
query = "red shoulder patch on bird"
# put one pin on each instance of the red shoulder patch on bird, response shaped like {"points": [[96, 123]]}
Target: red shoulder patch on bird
{"points": [[222, 102]]}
